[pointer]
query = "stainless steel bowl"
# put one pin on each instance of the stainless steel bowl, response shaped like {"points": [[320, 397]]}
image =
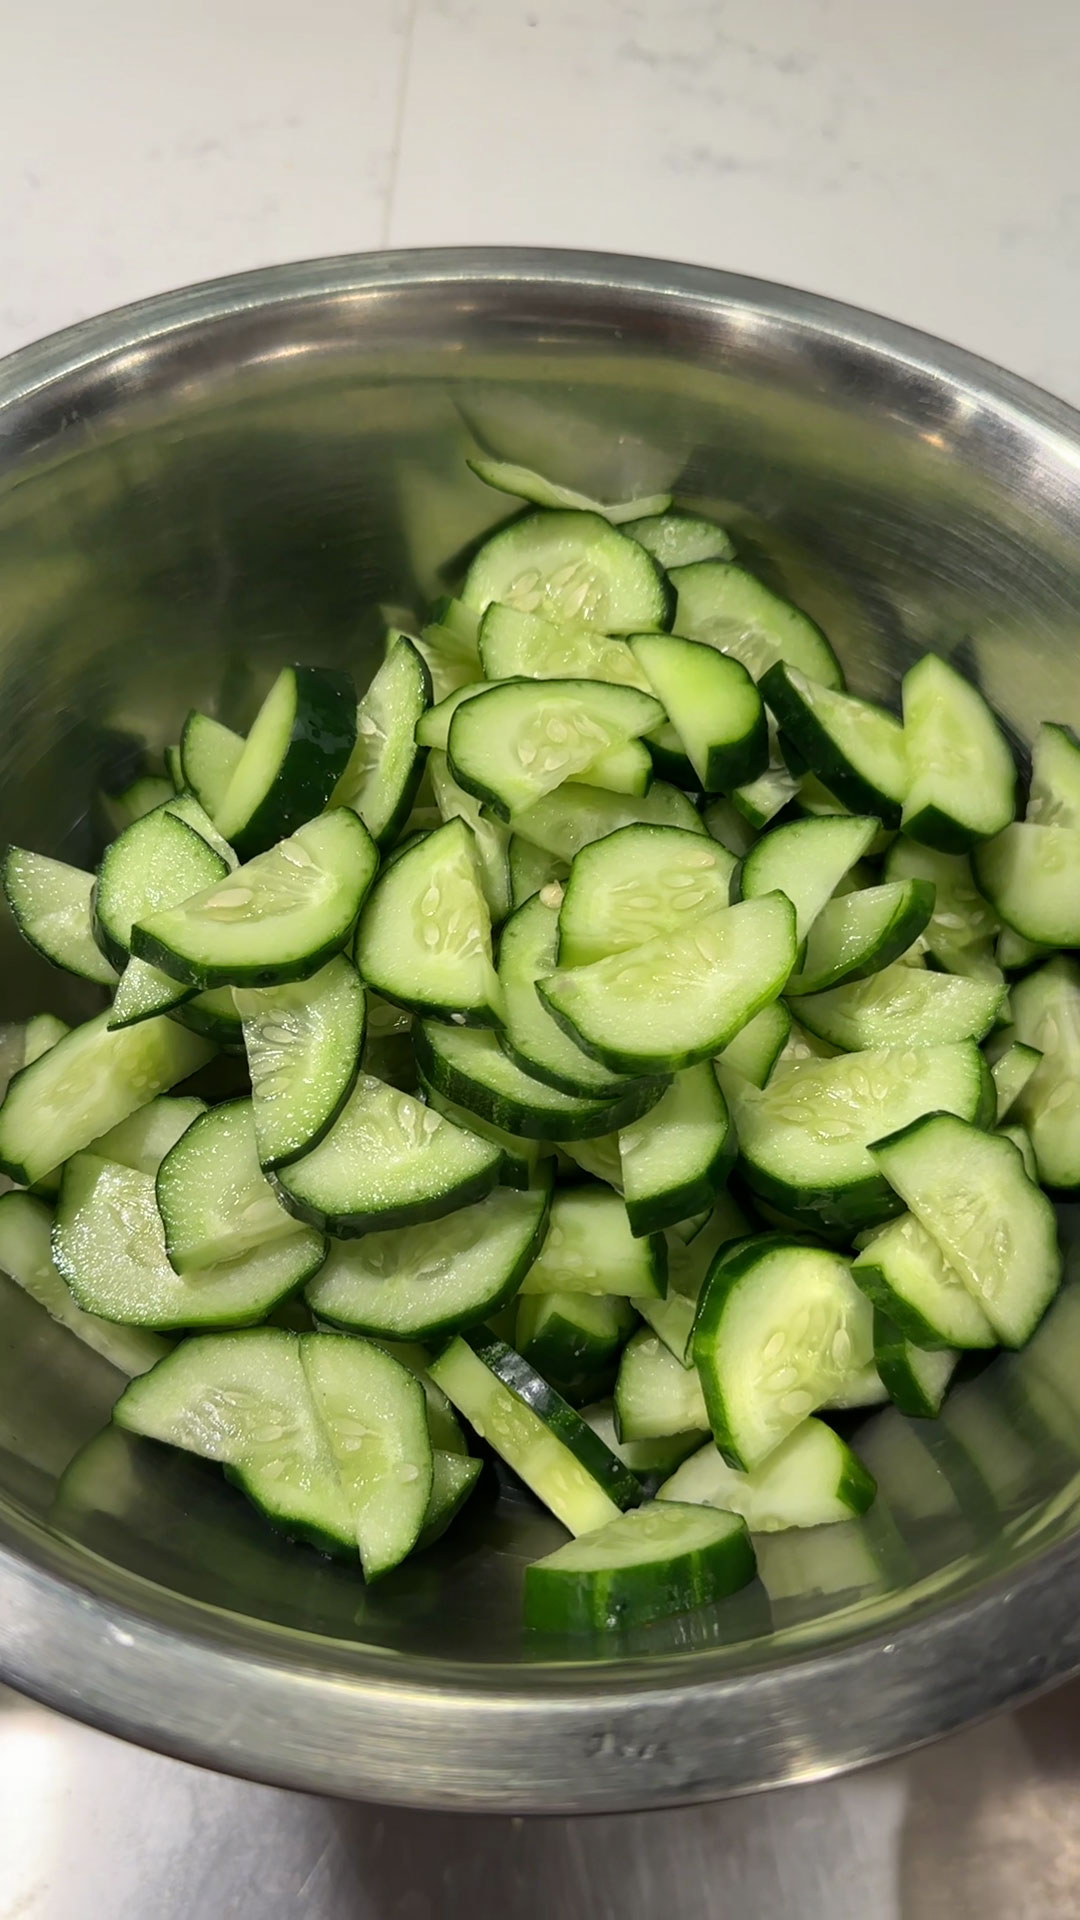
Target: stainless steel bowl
{"points": [[201, 487]]}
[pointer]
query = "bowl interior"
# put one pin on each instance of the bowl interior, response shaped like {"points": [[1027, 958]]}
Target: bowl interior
{"points": [[194, 494]]}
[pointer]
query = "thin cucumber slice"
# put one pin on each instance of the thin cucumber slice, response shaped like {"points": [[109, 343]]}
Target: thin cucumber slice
{"points": [[962, 780], [146, 1136], [383, 772], [756, 1049], [961, 917], [855, 748], [656, 1396], [1011, 1072], [444, 1427], [780, 1326], [535, 1431], [157, 863], [574, 816], [531, 870], [243, 1400], [571, 567], [51, 904], [387, 1161], [647, 1457], [714, 706], [279, 918], [858, 934], [804, 1139], [644, 1566], [522, 1160], [419, 1282], [970, 1191], [589, 1248], [902, 1006], [303, 1051], [678, 539], [506, 477], [1054, 795], [806, 860], [681, 997], [373, 1412], [762, 799], [109, 1244], [184, 806], [470, 1068], [903, 1271], [916, 1381], [625, 769], [1031, 876], [453, 1477], [574, 1340], [433, 727], [85, 1084], [639, 883], [209, 756], [676, 1158], [150, 790], [668, 758], [490, 838], [515, 645], [1046, 1014], [293, 758], [215, 1201], [26, 1255], [144, 991], [812, 1479], [727, 608], [688, 1265], [733, 830], [527, 951], [523, 738], [43, 1030], [424, 938]]}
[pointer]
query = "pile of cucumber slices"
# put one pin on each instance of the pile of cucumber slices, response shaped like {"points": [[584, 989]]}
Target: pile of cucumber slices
{"points": [[643, 1046]]}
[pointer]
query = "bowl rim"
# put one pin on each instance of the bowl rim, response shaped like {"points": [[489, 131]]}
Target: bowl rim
{"points": [[275, 1704]]}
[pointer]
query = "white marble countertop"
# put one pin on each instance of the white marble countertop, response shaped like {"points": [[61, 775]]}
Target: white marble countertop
{"points": [[922, 160]]}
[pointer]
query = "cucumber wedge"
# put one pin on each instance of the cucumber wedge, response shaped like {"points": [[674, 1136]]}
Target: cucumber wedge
{"points": [[678, 539], [758, 1046], [806, 860], [292, 760], [1031, 876], [903, 1271], [688, 1265], [1046, 1012], [1054, 795], [303, 1046], [644, 1566], [383, 772], [531, 1037], [855, 748], [571, 567], [862, 933], [637, 884], [214, 1198], [424, 938], [656, 1395], [573, 1340], [519, 740], [155, 864], [812, 1479], [1011, 1072], [26, 1255], [675, 1159], [727, 608], [589, 1248], [491, 841], [506, 477], [51, 904], [468, 1066], [962, 780], [916, 1381], [713, 705], [209, 756], [524, 645]]}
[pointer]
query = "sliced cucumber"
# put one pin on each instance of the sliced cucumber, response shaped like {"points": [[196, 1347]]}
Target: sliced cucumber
{"points": [[522, 1160], [962, 780], [51, 904], [971, 1192], [762, 799], [214, 1015], [292, 760], [804, 1138], [531, 870], [1046, 1013], [806, 860], [387, 1161], [303, 1051], [142, 796], [862, 1387], [26, 1255], [676, 1158], [1011, 1072], [144, 991], [903, 1271], [600, 1157], [678, 539], [433, 727], [469, 1067], [1015, 954], [727, 608], [714, 706], [757, 1047], [916, 1381], [521, 739], [145, 1137], [514, 645], [688, 1265], [858, 934], [781, 1324], [209, 756], [506, 477], [681, 997], [643, 1566], [418, 1282], [42, 1031], [453, 1477], [491, 841], [184, 806], [574, 816], [639, 883], [384, 768], [424, 938], [1054, 796], [109, 1245], [155, 864], [656, 1396], [279, 918], [961, 917], [589, 1248], [812, 1479], [215, 1201], [902, 1006], [85, 1084], [625, 769], [573, 1340], [854, 747], [1031, 876], [571, 566], [374, 1414], [731, 828], [535, 1431], [647, 1457], [532, 1037], [1021, 1140]]}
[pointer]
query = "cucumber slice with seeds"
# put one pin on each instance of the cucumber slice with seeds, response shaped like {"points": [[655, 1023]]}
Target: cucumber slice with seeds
{"points": [[637, 884], [1031, 876], [727, 608], [303, 1051], [155, 864], [424, 938], [279, 918], [656, 1396], [470, 1068], [527, 950], [293, 758], [373, 1412], [961, 917], [903, 1271], [384, 768], [507, 477], [571, 566], [644, 1566], [589, 1248], [387, 1161], [1054, 796], [858, 934], [916, 1381], [812, 1479], [780, 1326], [855, 748], [26, 1255], [491, 839], [514, 645], [574, 816], [51, 904], [961, 777], [681, 997], [1046, 1013], [676, 1158], [678, 539], [215, 1201], [714, 706], [209, 756], [521, 739], [806, 860], [574, 1340], [522, 1160], [422, 1281], [902, 1006]]}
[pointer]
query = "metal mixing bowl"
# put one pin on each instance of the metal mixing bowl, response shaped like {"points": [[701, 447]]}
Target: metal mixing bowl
{"points": [[193, 491]]}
